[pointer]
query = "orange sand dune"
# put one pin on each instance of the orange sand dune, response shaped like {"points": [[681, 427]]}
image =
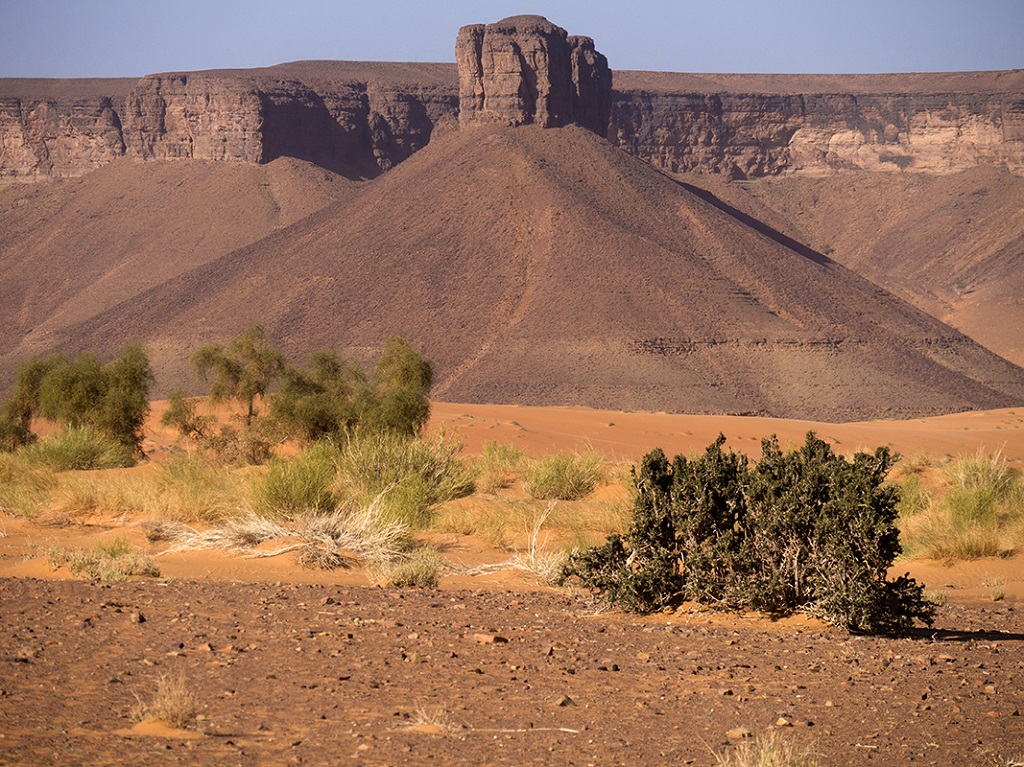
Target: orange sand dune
{"points": [[627, 436]]}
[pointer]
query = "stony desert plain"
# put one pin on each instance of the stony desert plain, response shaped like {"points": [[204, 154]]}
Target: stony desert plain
{"points": [[596, 263]]}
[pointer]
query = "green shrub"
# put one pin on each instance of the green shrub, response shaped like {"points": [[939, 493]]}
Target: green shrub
{"points": [[979, 514], [498, 465], [564, 476], [78, 449], [410, 475], [301, 485], [805, 529]]}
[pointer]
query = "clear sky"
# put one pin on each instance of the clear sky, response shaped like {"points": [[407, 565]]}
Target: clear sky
{"points": [[128, 38]]}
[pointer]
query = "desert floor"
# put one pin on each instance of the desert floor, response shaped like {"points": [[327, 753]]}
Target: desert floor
{"points": [[298, 666]]}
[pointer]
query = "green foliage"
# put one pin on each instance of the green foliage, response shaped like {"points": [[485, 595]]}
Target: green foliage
{"points": [[805, 529], [322, 402], [333, 398], [242, 372], [181, 415], [410, 475], [112, 399], [564, 476], [300, 486], [398, 397], [77, 449]]}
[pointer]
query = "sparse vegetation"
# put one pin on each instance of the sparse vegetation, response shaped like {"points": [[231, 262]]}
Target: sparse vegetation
{"points": [[175, 703], [996, 588], [800, 530], [564, 476], [770, 749], [977, 511], [498, 466], [420, 569], [113, 561]]}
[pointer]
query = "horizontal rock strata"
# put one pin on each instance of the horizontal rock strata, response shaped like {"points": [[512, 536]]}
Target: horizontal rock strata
{"points": [[361, 119]]}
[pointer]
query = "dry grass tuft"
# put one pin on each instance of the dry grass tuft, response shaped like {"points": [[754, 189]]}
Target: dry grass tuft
{"points": [[421, 569], [332, 540], [175, 703], [771, 749], [432, 718], [112, 561], [996, 588]]}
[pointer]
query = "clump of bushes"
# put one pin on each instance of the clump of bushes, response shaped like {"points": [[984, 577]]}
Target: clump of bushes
{"points": [[110, 399], [806, 529]]}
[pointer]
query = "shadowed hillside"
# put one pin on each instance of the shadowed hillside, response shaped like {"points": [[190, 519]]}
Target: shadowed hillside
{"points": [[548, 267]]}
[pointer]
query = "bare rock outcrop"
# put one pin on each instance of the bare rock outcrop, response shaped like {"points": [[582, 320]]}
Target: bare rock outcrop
{"points": [[57, 138], [524, 70]]}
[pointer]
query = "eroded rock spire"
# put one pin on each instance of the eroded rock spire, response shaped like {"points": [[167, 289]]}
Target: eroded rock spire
{"points": [[524, 70]]}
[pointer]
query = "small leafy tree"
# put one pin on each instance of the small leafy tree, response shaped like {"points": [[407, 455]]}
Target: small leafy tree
{"points": [[242, 372], [802, 529], [181, 415], [398, 398], [334, 398]]}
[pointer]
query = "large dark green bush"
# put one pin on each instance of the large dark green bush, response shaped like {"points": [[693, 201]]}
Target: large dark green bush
{"points": [[802, 530]]}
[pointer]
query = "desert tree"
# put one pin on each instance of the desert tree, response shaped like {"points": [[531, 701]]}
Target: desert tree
{"points": [[319, 402], [243, 372], [398, 397]]}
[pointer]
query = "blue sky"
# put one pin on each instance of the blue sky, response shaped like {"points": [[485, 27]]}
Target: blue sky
{"points": [[127, 38]]}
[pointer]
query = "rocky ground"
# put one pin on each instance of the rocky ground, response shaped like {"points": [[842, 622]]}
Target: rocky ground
{"points": [[323, 674]]}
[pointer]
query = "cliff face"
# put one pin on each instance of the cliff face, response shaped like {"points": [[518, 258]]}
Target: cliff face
{"points": [[361, 119], [58, 138], [753, 135]]}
